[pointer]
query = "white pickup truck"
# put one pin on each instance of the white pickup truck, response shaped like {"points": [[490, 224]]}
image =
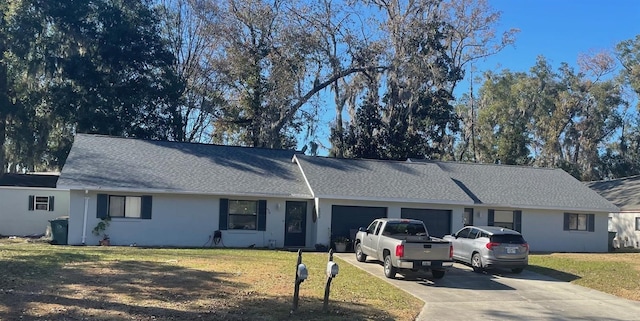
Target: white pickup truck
{"points": [[403, 244]]}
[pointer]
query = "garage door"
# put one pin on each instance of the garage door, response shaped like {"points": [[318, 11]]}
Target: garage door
{"points": [[438, 222], [346, 219]]}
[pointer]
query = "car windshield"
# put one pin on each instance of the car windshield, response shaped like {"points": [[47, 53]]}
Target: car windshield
{"points": [[508, 238]]}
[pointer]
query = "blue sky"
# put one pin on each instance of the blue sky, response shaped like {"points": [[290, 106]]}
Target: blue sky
{"points": [[561, 29]]}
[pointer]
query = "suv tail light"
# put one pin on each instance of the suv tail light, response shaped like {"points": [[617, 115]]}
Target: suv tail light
{"points": [[400, 250], [450, 251], [490, 245], [526, 245]]}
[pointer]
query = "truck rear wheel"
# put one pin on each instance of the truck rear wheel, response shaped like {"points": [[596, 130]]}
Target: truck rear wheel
{"points": [[361, 257], [437, 274], [389, 269]]}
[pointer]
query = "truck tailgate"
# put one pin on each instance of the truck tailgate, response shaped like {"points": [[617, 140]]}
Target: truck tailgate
{"points": [[426, 251]]}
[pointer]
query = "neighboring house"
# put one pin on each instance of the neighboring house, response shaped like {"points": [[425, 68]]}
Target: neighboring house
{"points": [[29, 201], [180, 194], [624, 193]]}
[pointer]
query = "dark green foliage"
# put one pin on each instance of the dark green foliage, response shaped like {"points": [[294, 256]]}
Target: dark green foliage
{"points": [[90, 66]]}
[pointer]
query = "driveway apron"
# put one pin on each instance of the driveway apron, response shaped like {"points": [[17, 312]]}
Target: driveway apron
{"points": [[501, 295]]}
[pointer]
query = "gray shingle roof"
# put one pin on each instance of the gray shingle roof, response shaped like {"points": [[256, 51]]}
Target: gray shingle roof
{"points": [[623, 192], [524, 187], [121, 163], [380, 180]]}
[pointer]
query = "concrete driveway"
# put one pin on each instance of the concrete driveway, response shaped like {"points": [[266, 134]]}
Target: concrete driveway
{"points": [[502, 295]]}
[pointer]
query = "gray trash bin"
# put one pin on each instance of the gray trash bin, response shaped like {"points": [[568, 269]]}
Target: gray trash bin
{"points": [[59, 230]]}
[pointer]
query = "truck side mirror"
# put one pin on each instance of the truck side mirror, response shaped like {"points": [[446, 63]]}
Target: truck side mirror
{"points": [[332, 269], [302, 273]]}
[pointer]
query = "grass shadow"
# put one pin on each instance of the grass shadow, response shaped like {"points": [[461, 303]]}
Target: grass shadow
{"points": [[556, 274]]}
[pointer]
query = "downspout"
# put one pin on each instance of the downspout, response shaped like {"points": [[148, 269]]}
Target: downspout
{"points": [[84, 221]]}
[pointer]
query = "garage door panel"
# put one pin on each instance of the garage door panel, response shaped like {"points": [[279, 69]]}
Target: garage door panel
{"points": [[345, 219], [438, 222]]}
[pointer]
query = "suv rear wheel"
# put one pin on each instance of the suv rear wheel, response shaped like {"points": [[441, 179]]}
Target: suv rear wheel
{"points": [[476, 263]]}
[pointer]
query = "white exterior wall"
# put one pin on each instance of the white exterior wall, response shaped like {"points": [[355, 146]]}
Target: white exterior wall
{"points": [[15, 217], [625, 225], [544, 231], [394, 210], [178, 220]]}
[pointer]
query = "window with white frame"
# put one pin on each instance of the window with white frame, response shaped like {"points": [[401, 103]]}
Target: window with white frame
{"points": [[125, 206], [40, 203], [243, 215], [637, 223]]}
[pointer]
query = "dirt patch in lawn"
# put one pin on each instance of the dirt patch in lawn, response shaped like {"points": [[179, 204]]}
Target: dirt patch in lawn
{"points": [[92, 283]]}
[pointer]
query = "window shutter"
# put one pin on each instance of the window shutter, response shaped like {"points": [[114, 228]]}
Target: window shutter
{"points": [[145, 207], [567, 221], [50, 203], [102, 210], [591, 222], [32, 199], [224, 211], [262, 215], [517, 221], [490, 218]]}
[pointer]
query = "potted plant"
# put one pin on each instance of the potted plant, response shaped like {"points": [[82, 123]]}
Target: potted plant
{"points": [[340, 243], [99, 229]]}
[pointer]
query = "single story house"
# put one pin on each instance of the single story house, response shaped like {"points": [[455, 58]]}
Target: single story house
{"points": [[29, 201], [624, 193], [185, 194]]}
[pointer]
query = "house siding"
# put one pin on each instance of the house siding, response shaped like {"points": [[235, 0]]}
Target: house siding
{"points": [[544, 232], [178, 220], [15, 216], [624, 224]]}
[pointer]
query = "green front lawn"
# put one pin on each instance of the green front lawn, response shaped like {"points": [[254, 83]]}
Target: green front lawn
{"points": [[45, 282], [614, 273]]}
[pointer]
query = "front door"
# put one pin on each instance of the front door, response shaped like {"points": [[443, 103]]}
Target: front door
{"points": [[295, 224]]}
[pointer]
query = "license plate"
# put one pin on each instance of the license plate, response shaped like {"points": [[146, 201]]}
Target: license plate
{"points": [[426, 263], [512, 250]]}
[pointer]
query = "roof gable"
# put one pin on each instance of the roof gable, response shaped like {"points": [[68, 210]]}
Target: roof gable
{"points": [[134, 164], [379, 180]]}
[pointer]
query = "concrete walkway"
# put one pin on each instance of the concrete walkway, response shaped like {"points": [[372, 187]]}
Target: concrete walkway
{"points": [[501, 295]]}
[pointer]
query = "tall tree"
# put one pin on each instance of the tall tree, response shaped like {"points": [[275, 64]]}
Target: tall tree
{"points": [[272, 65], [189, 41], [503, 119], [97, 67], [628, 53], [562, 119]]}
